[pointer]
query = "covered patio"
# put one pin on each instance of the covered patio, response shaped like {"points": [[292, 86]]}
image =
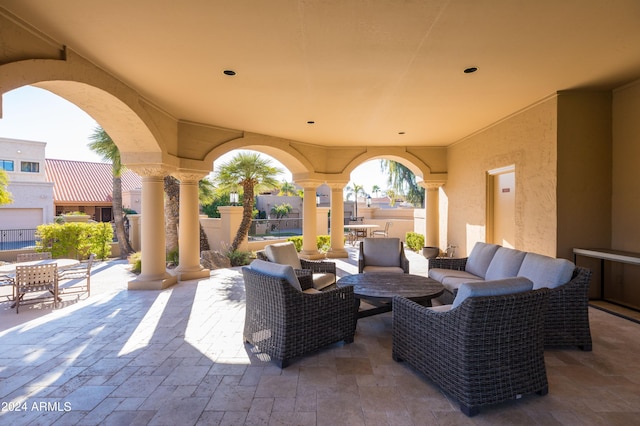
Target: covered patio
{"points": [[176, 356]]}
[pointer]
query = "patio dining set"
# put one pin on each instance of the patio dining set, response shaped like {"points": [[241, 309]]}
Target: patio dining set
{"points": [[484, 348], [36, 277]]}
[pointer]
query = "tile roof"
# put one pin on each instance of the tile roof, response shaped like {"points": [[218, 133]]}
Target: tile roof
{"points": [[85, 182]]}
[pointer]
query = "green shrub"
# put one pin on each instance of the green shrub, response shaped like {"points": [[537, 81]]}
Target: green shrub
{"points": [[239, 257], [135, 260], [414, 241], [323, 242], [297, 241], [173, 257], [75, 239]]}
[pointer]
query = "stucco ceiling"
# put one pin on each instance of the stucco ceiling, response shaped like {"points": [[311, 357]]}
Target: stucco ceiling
{"points": [[363, 70]]}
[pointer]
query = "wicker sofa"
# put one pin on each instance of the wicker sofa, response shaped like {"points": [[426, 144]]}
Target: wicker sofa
{"points": [[487, 349], [567, 317]]}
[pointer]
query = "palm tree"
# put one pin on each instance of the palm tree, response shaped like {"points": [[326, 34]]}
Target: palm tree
{"points": [[5, 195], [355, 189], [171, 212], [403, 181], [102, 144], [252, 173], [287, 188], [376, 190]]}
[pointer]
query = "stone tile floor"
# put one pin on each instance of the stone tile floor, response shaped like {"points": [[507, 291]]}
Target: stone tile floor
{"points": [[176, 357]]}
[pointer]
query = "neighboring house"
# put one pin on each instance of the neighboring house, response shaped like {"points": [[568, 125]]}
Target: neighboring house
{"points": [[31, 192], [44, 188], [87, 187]]}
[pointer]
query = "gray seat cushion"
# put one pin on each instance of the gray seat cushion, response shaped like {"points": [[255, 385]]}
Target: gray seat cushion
{"points": [[284, 253], [277, 270], [546, 271], [452, 284], [492, 288], [480, 258], [505, 264], [322, 280], [440, 274], [385, 269]]}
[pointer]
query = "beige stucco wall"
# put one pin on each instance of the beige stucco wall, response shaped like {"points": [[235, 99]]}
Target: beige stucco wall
{"points": [[623, 280], [584, 170], [527, 140], [625, 204]]}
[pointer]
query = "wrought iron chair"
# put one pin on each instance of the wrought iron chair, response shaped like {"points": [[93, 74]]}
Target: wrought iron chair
{"points": [[36, 279]]}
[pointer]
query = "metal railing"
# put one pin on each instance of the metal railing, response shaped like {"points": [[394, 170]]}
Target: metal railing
{"points": [[15, 239], [270, 228]]}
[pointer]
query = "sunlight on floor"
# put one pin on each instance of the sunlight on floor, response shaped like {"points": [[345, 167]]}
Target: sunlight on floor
{"points": [[147, 326]]}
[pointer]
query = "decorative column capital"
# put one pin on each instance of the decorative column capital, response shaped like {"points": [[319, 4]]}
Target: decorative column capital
{"points": [[151, 169], [432, 184], [309, 184], [337, 185], [189, 175]]}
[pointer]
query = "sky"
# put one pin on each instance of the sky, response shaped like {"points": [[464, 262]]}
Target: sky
{"points": [[34, 114]]}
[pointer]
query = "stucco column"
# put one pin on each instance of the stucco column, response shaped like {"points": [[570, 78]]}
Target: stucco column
{"points": [[189, 267], [322, 215], [154, 274], [309, 222], [432, 216], [337, 221]]}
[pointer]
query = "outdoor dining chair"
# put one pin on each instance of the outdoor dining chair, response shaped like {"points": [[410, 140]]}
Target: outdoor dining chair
{"points": [[381, 232], [27, 257], [81, 273], [5, 281], [41, 280]]}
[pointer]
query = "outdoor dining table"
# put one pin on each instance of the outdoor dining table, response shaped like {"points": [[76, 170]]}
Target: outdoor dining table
{"points": [[10, 268]]}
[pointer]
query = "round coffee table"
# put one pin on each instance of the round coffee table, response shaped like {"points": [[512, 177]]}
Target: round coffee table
{"points": [[378, 289]]}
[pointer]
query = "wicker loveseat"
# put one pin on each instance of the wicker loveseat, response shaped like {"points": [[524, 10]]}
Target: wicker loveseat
{"points": [[284, 322], [567, 316], [486, 349]]}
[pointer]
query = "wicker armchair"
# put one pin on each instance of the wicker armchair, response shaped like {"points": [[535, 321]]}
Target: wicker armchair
{"points": [[382, 255], [567, 315], [323, 273], [487, 350], [284, 322]]}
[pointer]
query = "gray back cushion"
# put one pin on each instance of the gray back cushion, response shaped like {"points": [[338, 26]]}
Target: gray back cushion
{"points": [[505, 264], [492, 288], [284, 253], [546, 271], [480, 258], [276, 270], [381, 251]]}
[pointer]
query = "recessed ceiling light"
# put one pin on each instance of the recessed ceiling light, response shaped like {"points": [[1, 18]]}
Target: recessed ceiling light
{"points": [[229, 72], [470, 70], [311, 122]]}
